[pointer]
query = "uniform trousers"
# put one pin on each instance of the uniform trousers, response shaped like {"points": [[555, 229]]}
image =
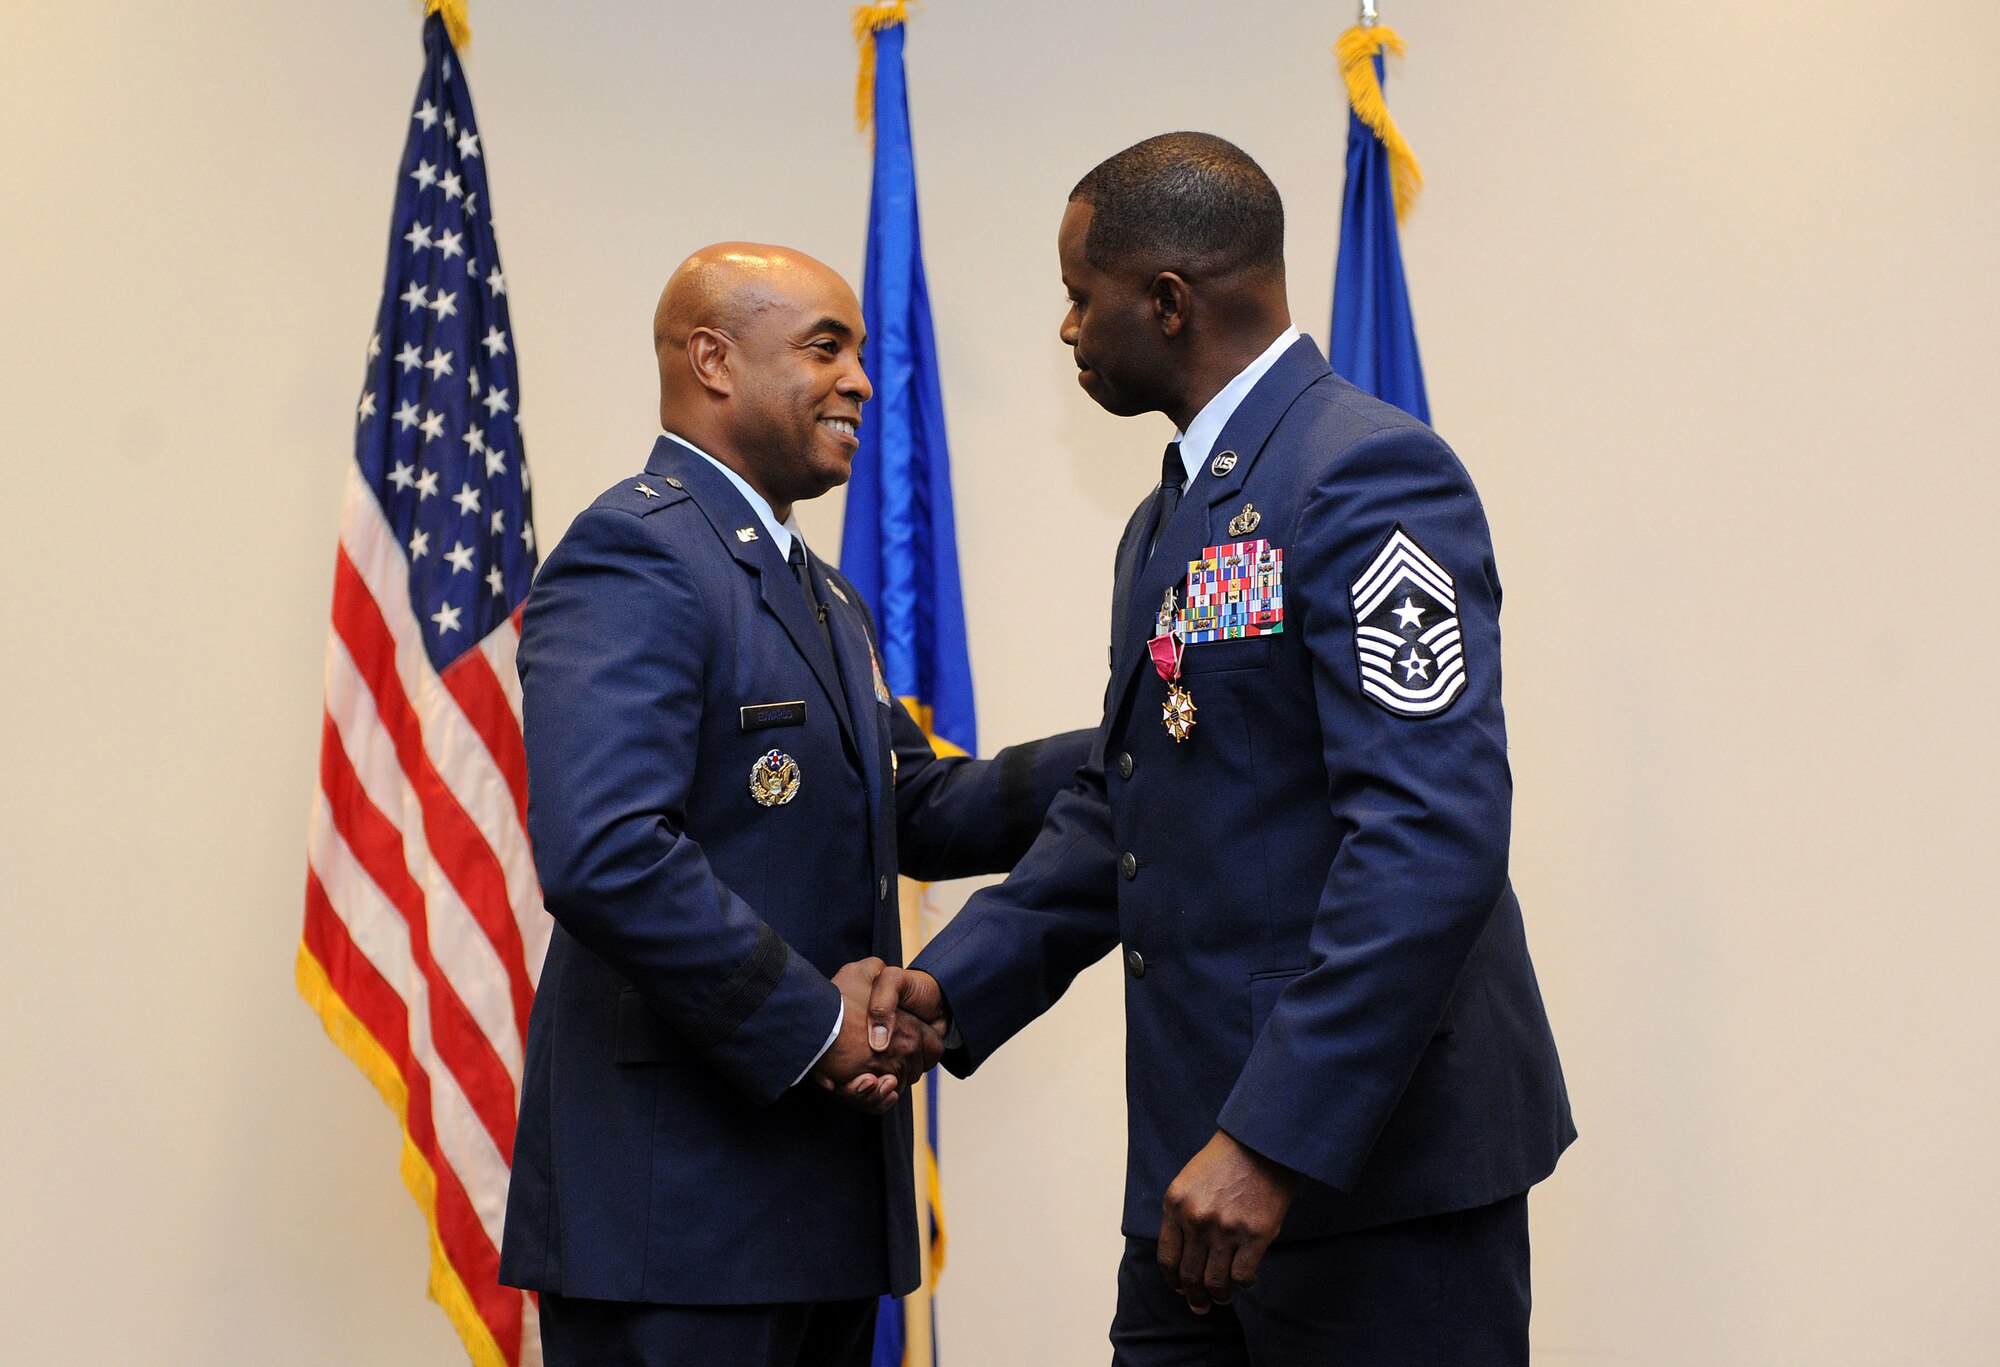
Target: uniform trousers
{"points": [[591, 1333], [1441, 1291]]}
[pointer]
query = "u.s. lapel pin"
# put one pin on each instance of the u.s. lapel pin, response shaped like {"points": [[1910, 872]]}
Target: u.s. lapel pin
{"points": [[746, 534], [1246, 521], [1224, 462]]}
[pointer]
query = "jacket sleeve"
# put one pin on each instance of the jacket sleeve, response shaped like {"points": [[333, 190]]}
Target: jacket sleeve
{"points": [[614, 653], [1423, 803], [1012, 950], [956, 817]]}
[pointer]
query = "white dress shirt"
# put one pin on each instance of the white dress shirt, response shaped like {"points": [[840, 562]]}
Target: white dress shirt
{"points": [[1199, 438]]}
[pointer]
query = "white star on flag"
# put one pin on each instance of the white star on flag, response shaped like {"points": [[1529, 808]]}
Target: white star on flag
{"points": [[419, 236], [416, 296], [425, 175], [447, 618], [427, 484], [420, 545], [368, 404], [497, 580], [460, 556], [495, 401], [402, 475], [496, 461], [467, 499], [453, 186], [406, 416], [439, 364], [427, 116], [445, 304], [496, 342], [411, 356], [433, 425]]}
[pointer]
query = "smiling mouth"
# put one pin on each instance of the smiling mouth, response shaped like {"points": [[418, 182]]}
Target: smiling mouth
{"points": [[843, 426]]}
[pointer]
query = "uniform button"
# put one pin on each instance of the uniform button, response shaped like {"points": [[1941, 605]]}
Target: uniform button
{"points": [[1125, 764], [882, 888], [1128, 864], [1135, 963]]}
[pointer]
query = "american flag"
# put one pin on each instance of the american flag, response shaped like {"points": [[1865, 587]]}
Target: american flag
{"points": [[424, 927]]}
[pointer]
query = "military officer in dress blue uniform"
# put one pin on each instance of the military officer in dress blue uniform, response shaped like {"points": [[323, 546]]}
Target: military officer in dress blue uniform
{"points": [[1340, 1078], [721, 792]]}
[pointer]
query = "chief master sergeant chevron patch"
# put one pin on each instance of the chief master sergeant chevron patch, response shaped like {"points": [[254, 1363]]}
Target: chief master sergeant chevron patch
{"points": [[1406, 635]]}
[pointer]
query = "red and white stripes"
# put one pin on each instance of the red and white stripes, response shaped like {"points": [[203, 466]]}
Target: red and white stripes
{"points": [[424, 929]]}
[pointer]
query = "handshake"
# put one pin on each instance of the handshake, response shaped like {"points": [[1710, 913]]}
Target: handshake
{"points": [[892, 1030]]}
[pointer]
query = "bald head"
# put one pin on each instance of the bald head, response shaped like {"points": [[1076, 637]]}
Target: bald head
{"points": [[760, 365]]}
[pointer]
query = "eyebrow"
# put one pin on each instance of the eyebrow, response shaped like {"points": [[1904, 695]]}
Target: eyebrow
{"points": [[833, 325]]}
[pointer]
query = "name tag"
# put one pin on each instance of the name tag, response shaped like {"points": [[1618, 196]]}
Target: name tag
{"points": [[765, 714]]}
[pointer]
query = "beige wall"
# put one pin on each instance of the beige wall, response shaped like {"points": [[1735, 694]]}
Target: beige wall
{"points": [[1707, 296]]}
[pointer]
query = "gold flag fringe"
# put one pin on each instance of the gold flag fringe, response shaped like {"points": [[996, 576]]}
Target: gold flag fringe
{"points": [[456, 26], [870, 20], [1357, 50]]}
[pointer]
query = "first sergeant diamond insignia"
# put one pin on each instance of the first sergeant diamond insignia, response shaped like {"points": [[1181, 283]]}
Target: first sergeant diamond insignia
{"points": [[1406, 633]]}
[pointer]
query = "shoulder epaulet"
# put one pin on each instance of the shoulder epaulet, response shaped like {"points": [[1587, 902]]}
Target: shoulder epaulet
{"points": [[643, 494]]}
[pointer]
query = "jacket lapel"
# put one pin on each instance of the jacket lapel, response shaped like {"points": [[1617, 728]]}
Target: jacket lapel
{"points": [[1142, 587], [726, 511], [857, 672]]}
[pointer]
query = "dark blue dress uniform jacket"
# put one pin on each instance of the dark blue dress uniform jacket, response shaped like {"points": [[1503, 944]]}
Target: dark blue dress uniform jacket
{"points": [[1324, 957], [664, 1154]]}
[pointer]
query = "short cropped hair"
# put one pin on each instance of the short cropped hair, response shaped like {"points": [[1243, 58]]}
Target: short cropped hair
{"points": [[1184, 201]]}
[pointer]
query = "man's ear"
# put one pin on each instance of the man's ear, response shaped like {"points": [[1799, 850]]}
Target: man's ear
{"points": [[709, 357], [1173, 303]]}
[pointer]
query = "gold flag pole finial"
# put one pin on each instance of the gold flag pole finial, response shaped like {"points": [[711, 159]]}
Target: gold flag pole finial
{"points": [[870, 20], [1369, 18], [1357, 49], [456, 26]]}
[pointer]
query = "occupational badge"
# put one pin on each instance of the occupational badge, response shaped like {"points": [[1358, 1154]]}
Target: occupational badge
{"points": [[1165, 648], [774, 779], [1235, 590], [1406, 634], [1246, 521]]}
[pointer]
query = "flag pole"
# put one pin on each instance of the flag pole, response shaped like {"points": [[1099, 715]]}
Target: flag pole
{"points": [[1368, 14]]}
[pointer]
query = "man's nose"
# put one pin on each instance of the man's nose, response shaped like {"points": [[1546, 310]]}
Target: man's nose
{"points": [[856, 385]]}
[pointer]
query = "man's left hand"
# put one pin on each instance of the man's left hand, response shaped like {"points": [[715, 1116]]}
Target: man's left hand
{"points": [[1219, 1216]]}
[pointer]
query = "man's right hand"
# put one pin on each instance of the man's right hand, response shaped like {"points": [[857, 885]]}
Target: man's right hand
{"points": [[891, 1033]]}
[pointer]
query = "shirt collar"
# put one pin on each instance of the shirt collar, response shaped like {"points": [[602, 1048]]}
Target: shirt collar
{"points": [[781, 532], [1201, 433]]}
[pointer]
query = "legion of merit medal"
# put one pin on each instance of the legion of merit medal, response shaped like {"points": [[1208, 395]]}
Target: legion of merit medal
{"points": [[1165, 647]]}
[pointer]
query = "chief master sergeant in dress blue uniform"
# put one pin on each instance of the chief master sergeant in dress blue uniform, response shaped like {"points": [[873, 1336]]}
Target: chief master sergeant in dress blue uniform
{"points": [[721, 792], [1295, 823]]}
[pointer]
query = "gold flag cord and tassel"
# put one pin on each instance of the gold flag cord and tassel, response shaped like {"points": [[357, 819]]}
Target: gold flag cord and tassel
{"points": [[456, 26], [870, 20], [1357, 50]]}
